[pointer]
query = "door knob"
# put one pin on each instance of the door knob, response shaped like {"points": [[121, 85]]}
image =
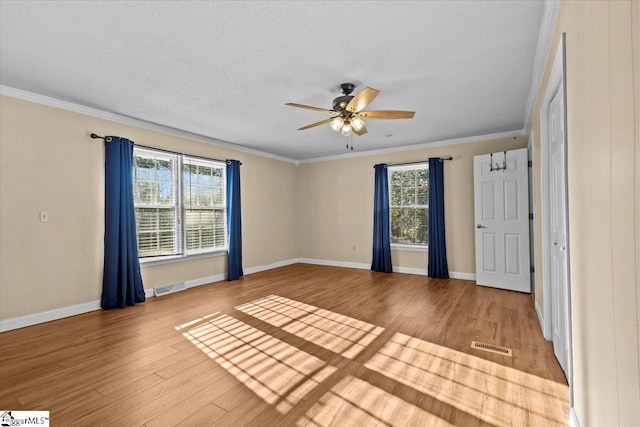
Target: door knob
{"points": [[481, 226]]}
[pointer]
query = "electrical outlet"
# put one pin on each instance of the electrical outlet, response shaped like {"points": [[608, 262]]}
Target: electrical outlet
{"points": [[44, 216]]}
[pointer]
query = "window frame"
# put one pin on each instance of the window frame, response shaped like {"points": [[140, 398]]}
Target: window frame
{"points": [[417, 247], [180, 230]]}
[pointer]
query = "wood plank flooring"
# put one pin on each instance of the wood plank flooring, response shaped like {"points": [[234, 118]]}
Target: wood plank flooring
{"points": [[301, 345]]}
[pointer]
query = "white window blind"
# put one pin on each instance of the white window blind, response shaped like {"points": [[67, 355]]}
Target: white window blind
{"points": [[204, 205], [409, 204], [178, 214], [156, 203]]}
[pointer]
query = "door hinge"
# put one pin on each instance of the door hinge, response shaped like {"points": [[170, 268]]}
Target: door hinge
{"points": [[530, 216], [530, 163], [533, 270]]}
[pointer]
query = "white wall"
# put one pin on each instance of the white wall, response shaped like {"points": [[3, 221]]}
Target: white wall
{"points": [[335, 205], [49, 163], [602, 75]]}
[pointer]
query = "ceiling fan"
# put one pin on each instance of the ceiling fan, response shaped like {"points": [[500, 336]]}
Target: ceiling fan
{"points": [[348, 111]]}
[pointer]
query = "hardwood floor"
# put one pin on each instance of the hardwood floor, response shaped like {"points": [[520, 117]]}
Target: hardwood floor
{"points": [[299, 345]]}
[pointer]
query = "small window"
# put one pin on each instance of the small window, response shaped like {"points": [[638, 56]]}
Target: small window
{"points": [[409, 204], [178, 214]]}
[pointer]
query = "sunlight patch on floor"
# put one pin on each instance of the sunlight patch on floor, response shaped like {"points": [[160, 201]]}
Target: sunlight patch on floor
{"points": [[356, 402], [193, 322], [489, 391], [282, 374], [277, 372], [341, 334]]}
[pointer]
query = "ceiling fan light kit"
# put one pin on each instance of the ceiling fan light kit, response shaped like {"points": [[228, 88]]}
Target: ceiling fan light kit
{"points": [[336, 124], [349, 111], [346, 130], [357, 123]]}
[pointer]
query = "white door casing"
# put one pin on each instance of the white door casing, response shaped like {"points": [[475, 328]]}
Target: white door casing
{"points": [[532, 205], [501, 205]]}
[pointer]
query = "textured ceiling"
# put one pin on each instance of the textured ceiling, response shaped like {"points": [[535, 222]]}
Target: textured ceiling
{"points": [[225, 69]]}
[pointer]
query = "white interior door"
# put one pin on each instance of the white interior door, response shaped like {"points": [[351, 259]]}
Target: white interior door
{"points": [[558, 229], [502, 220]]}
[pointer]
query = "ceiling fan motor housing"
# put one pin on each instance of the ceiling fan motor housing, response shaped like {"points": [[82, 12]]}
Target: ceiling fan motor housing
{"points": [[341, 102]]}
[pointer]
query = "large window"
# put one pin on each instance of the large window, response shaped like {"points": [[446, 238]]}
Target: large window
{"points": [[409, 204], [178, 214]]}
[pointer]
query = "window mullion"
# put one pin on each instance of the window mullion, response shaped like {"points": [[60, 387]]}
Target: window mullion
{"points": [[181, 232]]}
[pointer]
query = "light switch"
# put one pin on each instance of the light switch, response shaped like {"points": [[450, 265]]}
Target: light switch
{"points": [[44, 216]]}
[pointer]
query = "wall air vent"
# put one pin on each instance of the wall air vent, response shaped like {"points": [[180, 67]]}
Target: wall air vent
{"points": [[491, 348], [169, 289]]}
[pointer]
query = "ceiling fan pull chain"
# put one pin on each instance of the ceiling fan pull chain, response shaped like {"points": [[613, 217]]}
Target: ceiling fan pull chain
{"points": [[349, 142]]}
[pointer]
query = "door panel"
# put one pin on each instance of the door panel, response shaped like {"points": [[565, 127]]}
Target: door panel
{"points": [[489, 250], [512, 253], [488, 200], [511, 208], [502, 220], [557, 230]]}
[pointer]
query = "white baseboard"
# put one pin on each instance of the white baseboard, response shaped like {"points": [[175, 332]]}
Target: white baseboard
{"points": [[271, 266], [405, 270], [409, 270], [358, 265], [539, 312], [462, 276], [204, 280], [540, 319], [60, 313], [573, 418], [47, 316]]}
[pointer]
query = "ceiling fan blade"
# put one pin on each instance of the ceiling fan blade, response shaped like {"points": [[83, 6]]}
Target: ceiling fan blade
{"points": [[361, 131], [387, 114], [362, 99], [312, 125], [309, 107]]}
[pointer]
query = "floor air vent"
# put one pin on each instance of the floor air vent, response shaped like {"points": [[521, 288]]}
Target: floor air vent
{"points": [[168, 289], [491, 348]]}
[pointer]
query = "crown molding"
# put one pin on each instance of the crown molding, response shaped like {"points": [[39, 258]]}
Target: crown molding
{"points": [[545, 35], [433, 144], [94, 112]]}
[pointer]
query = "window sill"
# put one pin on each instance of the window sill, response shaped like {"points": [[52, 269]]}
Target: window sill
{"points": [[145, 262], [409, 248]]}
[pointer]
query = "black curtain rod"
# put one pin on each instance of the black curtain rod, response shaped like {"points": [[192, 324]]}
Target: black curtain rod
{"points": [[417, 163], [94, 136]]}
